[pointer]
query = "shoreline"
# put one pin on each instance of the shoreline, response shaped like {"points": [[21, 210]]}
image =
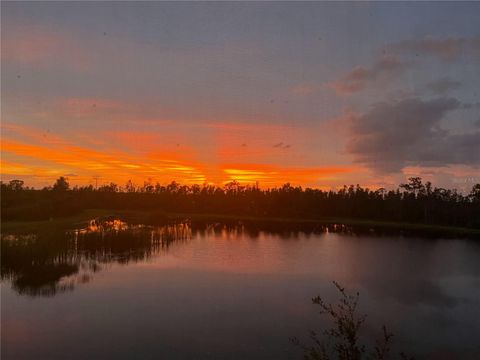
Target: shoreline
{"points": [[82, 219]]}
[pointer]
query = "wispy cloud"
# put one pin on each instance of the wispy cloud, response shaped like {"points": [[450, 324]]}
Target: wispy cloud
{"points": [[40, 46], [361, 77], [446, 49], [443, 85], [89, 106], [399, 56], [281, 145]]}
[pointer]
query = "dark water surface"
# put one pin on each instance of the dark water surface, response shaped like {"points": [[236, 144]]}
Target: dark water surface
{"points": [[214, 291]]}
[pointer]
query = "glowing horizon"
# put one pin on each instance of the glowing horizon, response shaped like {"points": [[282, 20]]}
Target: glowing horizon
{"points": [[54, 157]]}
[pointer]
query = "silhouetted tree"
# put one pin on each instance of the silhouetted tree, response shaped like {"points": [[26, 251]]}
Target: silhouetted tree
{"points": [[130, 187], [61, 184], [16, 185], [112, 187], [474, 195], [414, 187]]}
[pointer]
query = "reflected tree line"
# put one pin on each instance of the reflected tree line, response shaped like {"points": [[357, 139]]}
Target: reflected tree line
{"points": [[47, 263], [415, 201]]}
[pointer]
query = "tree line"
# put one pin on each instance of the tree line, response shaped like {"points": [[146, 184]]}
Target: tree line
{"points": [[414, 201]]}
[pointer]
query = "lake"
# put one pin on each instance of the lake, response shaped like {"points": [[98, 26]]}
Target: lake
{"points": [[229, 291]]}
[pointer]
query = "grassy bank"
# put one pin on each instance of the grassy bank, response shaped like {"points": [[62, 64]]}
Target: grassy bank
{"points": [[67, 222], [82, 219]]}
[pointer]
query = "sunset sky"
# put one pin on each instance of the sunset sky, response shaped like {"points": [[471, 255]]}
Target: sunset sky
{"points": [[315, 94]]}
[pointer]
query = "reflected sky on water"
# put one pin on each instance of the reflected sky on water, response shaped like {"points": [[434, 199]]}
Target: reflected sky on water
{"points": [[215, 291]]}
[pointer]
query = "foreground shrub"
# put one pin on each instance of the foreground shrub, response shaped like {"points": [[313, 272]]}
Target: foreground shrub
{"points": [[342, 340]]}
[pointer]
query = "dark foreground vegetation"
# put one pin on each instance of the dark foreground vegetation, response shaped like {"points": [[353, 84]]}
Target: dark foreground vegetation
{"points": [[342, 341], [413, 202]]}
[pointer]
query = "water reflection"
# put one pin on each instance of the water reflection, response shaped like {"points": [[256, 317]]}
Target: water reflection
{"points": [[49, 263], [227, 288], [45, 264]]}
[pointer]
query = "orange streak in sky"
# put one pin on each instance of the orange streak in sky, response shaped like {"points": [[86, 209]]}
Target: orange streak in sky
{"points": [[268, 175], [140, 156], [113, 165]]}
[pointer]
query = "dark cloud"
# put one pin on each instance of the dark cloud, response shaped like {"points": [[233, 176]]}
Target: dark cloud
{"points": [[360, 77], [408, 133], [281, 145], [443, 85], [399, 56], [447, 49]]}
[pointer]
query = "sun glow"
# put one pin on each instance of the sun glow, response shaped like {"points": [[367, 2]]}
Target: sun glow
{"points": [[268, 175], [26, 151]]}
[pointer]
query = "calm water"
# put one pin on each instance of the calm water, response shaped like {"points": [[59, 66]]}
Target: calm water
{"points": [[227, 292]]}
